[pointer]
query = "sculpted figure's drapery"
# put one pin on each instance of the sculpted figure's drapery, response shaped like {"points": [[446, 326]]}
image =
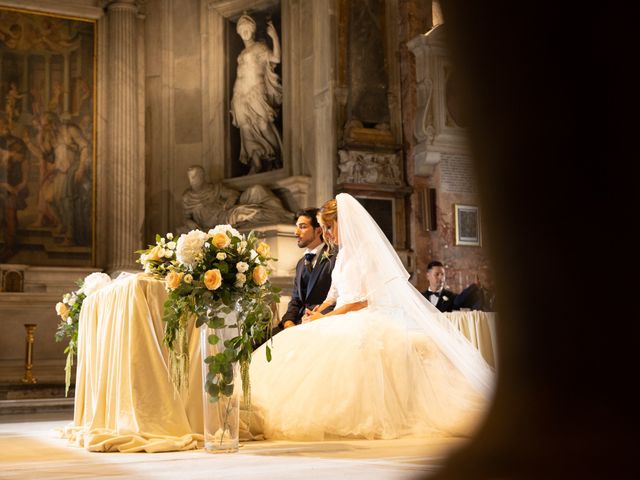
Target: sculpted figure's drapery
{"points": [[207, 204], [257, 93]]}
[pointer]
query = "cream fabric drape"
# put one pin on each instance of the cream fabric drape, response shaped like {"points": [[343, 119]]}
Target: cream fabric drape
{"points": [[124, 399], [480, 328]]}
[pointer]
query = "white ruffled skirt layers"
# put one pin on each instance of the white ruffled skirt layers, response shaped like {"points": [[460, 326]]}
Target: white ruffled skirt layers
{"points": [[359, 375]]}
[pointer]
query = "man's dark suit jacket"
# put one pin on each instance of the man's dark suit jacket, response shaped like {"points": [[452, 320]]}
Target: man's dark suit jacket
{"points": [[317, 289], [443, 305], [475, 297]]}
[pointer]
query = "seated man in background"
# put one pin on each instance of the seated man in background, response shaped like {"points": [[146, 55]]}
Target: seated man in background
{"points": [[436, 293]]}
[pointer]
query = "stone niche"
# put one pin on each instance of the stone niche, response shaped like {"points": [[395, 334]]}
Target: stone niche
{"points": [[299, 175]]}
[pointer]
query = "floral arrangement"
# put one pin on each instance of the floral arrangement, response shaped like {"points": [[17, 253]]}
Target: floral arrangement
{"points": [[69, 311], [214, 274], [160, 258]]}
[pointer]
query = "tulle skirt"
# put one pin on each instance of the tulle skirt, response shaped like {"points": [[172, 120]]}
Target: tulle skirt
{"points": [[359, 375]]}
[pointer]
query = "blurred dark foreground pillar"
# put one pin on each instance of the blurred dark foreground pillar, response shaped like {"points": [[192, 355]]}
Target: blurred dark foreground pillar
{"points": [[546, 82]]}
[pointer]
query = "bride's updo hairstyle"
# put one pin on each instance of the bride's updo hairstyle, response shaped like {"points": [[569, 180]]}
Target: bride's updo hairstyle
{"points": [[328, 215]]}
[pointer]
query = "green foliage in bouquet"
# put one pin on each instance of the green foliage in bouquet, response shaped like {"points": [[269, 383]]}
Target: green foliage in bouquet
{"points": [[220, 276], [160, 258], [69, 311]]}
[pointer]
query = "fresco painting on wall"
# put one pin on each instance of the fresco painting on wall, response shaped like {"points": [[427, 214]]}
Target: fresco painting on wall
{"points": [[47, 99]]}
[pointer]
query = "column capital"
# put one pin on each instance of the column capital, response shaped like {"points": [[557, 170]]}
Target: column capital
{"points": [[121, 5]]}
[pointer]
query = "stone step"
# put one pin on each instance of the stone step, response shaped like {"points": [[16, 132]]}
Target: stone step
{"points": [[34, 391], [36, 405]]}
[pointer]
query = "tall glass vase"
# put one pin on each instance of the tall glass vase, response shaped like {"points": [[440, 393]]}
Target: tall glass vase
{"points": [[221, 414]]}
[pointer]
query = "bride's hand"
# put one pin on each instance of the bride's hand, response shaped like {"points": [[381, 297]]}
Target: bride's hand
{"points": [[310, 315]]}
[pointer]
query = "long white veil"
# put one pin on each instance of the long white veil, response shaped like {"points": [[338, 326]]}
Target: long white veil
{"points": [[373, 266]]}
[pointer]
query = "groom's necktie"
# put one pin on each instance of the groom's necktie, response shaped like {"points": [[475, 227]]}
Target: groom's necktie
{"points": [[308, 261]]}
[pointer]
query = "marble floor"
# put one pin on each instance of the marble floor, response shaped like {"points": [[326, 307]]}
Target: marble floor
{"points": [[30, 449]]}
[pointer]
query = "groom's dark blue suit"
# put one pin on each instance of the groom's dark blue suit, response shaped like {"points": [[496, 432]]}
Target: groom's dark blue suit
{"points": [[309, 288]]}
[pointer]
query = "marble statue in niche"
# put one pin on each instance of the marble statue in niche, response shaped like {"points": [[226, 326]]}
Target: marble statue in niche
{"points": [[207, 204], [257, 95]]}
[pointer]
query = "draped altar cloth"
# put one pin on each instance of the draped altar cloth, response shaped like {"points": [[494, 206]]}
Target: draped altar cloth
{"points": [[124, 398], [480, 328]]}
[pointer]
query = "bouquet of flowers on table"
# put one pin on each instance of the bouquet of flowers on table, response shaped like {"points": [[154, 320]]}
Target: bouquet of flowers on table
{"points": [[213, 274], [159, 259], [69, 311]]}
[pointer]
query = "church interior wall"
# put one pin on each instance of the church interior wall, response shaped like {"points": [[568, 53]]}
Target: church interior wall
{"points": [[182, 118]]}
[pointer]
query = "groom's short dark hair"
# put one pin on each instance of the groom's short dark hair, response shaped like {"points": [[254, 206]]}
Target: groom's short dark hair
{"points": [[435, 263], [312, 213]]}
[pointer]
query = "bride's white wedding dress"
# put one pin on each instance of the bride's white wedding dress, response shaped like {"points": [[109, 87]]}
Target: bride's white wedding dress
{"points": [[395, 368]]}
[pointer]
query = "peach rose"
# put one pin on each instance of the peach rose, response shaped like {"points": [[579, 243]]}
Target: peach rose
{"points": [[263, 249], [212, 279], [220, 240], [259, 275], [154, 254], [173, 279], [62, 310]]}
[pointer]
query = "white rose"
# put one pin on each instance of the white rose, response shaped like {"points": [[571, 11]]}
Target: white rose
{"points": [[224, 229], [241, 278], [72, 301], [242, 267], [66, 297], [69, 321], [171, 245], [94, 282], [162, 252], [189, 246], [170, 236], [221, 256], [168, 253]]}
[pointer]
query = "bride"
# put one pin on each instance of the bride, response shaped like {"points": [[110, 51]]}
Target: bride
{"points": [[384, 363]]}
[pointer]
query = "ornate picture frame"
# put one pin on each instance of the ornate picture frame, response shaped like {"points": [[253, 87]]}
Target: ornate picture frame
{"points": [[48, 74], [468, 228]]}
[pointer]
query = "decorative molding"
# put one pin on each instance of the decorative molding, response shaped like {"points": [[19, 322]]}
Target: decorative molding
{"points": [[60, 7], [233, 8]]}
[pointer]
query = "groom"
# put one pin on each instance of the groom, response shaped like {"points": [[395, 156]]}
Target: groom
{"points": [[313, 271]]}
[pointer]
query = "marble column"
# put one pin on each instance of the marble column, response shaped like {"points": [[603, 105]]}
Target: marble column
{"points": [[125, 202]]}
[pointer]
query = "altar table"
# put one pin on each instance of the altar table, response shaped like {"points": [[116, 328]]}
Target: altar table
{"points": [[124, 398]]}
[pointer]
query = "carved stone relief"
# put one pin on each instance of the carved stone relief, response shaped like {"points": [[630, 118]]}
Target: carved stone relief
{"points": [[369, 168]]}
